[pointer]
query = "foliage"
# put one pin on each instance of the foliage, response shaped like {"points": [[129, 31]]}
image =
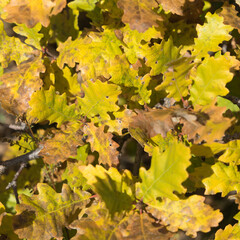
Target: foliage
{"points": [[132, 104]]}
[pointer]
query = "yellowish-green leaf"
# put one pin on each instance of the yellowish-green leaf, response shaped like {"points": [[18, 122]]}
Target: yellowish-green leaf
{"points": [[210, 79], [210, 35], [230, 232], [32, 34], [12, 49], [224, 179], [32, 12], [100, 98], [88, 5], [223, 102], [176, 79], [167, 172], [134, 49], [48, 105], [42, 216], [115, 189], [62, 79], [159, 55], [92, 53], [102, 143], [20, 84], [190, 215]]}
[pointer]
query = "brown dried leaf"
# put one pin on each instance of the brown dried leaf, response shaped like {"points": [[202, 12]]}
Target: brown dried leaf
{"points": [[63, 144], [19, 85], [32, 12], [139, 14], [191, 9], [203, 124], [102, 143], [230, 16]]}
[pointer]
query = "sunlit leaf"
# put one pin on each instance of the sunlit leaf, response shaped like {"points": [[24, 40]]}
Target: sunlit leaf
{"points": [[223, 180], [230, 232], [92, 53], [48, 105], [83, 4], [159, 55], [32, 12], [32, 34], [210, 80], [210, 35], [102, 143], [166, 174], [19, 85], [12, 49], [100, 98], [190, 215]]}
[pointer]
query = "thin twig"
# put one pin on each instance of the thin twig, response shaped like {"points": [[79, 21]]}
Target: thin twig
{"points": [[13, 183]]}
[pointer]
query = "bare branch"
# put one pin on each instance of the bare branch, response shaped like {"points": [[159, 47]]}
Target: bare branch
{"points": [[21, 159]]}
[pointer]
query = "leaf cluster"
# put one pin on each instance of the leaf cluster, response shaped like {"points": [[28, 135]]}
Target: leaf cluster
{"points": [[130, 118]]}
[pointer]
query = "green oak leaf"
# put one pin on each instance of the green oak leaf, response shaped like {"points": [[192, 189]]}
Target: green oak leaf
{"points": [[48, 105], [100, 98], [167, 172]]}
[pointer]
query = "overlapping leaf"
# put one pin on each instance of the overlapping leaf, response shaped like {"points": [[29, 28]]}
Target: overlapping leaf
{"points": [[159, 55], [102, 143], [190, 215], [19, 85], [210, 35], [32, 12], [166, 174], [32, 34], [211, 80], [12, 49], [47, 105], [133, 39], [224, 179], [115, 189], [176, 80], [230, 232], [63, 143], [99, 99], [140, 14], [102, 46], [44, 215]]}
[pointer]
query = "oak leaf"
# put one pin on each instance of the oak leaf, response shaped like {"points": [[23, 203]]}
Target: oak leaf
{"points": [[32, 34], [166, 174], [224, 179], [190, 215], [116, 190], [12, 49], [103, 47], [32, 12], [102, 143], [19, 86], [99, 99], [159, 55], [210, 35], [230, 232], [210, 80], [48, 105], [139, 14], [44, 215], [63, 144]]}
